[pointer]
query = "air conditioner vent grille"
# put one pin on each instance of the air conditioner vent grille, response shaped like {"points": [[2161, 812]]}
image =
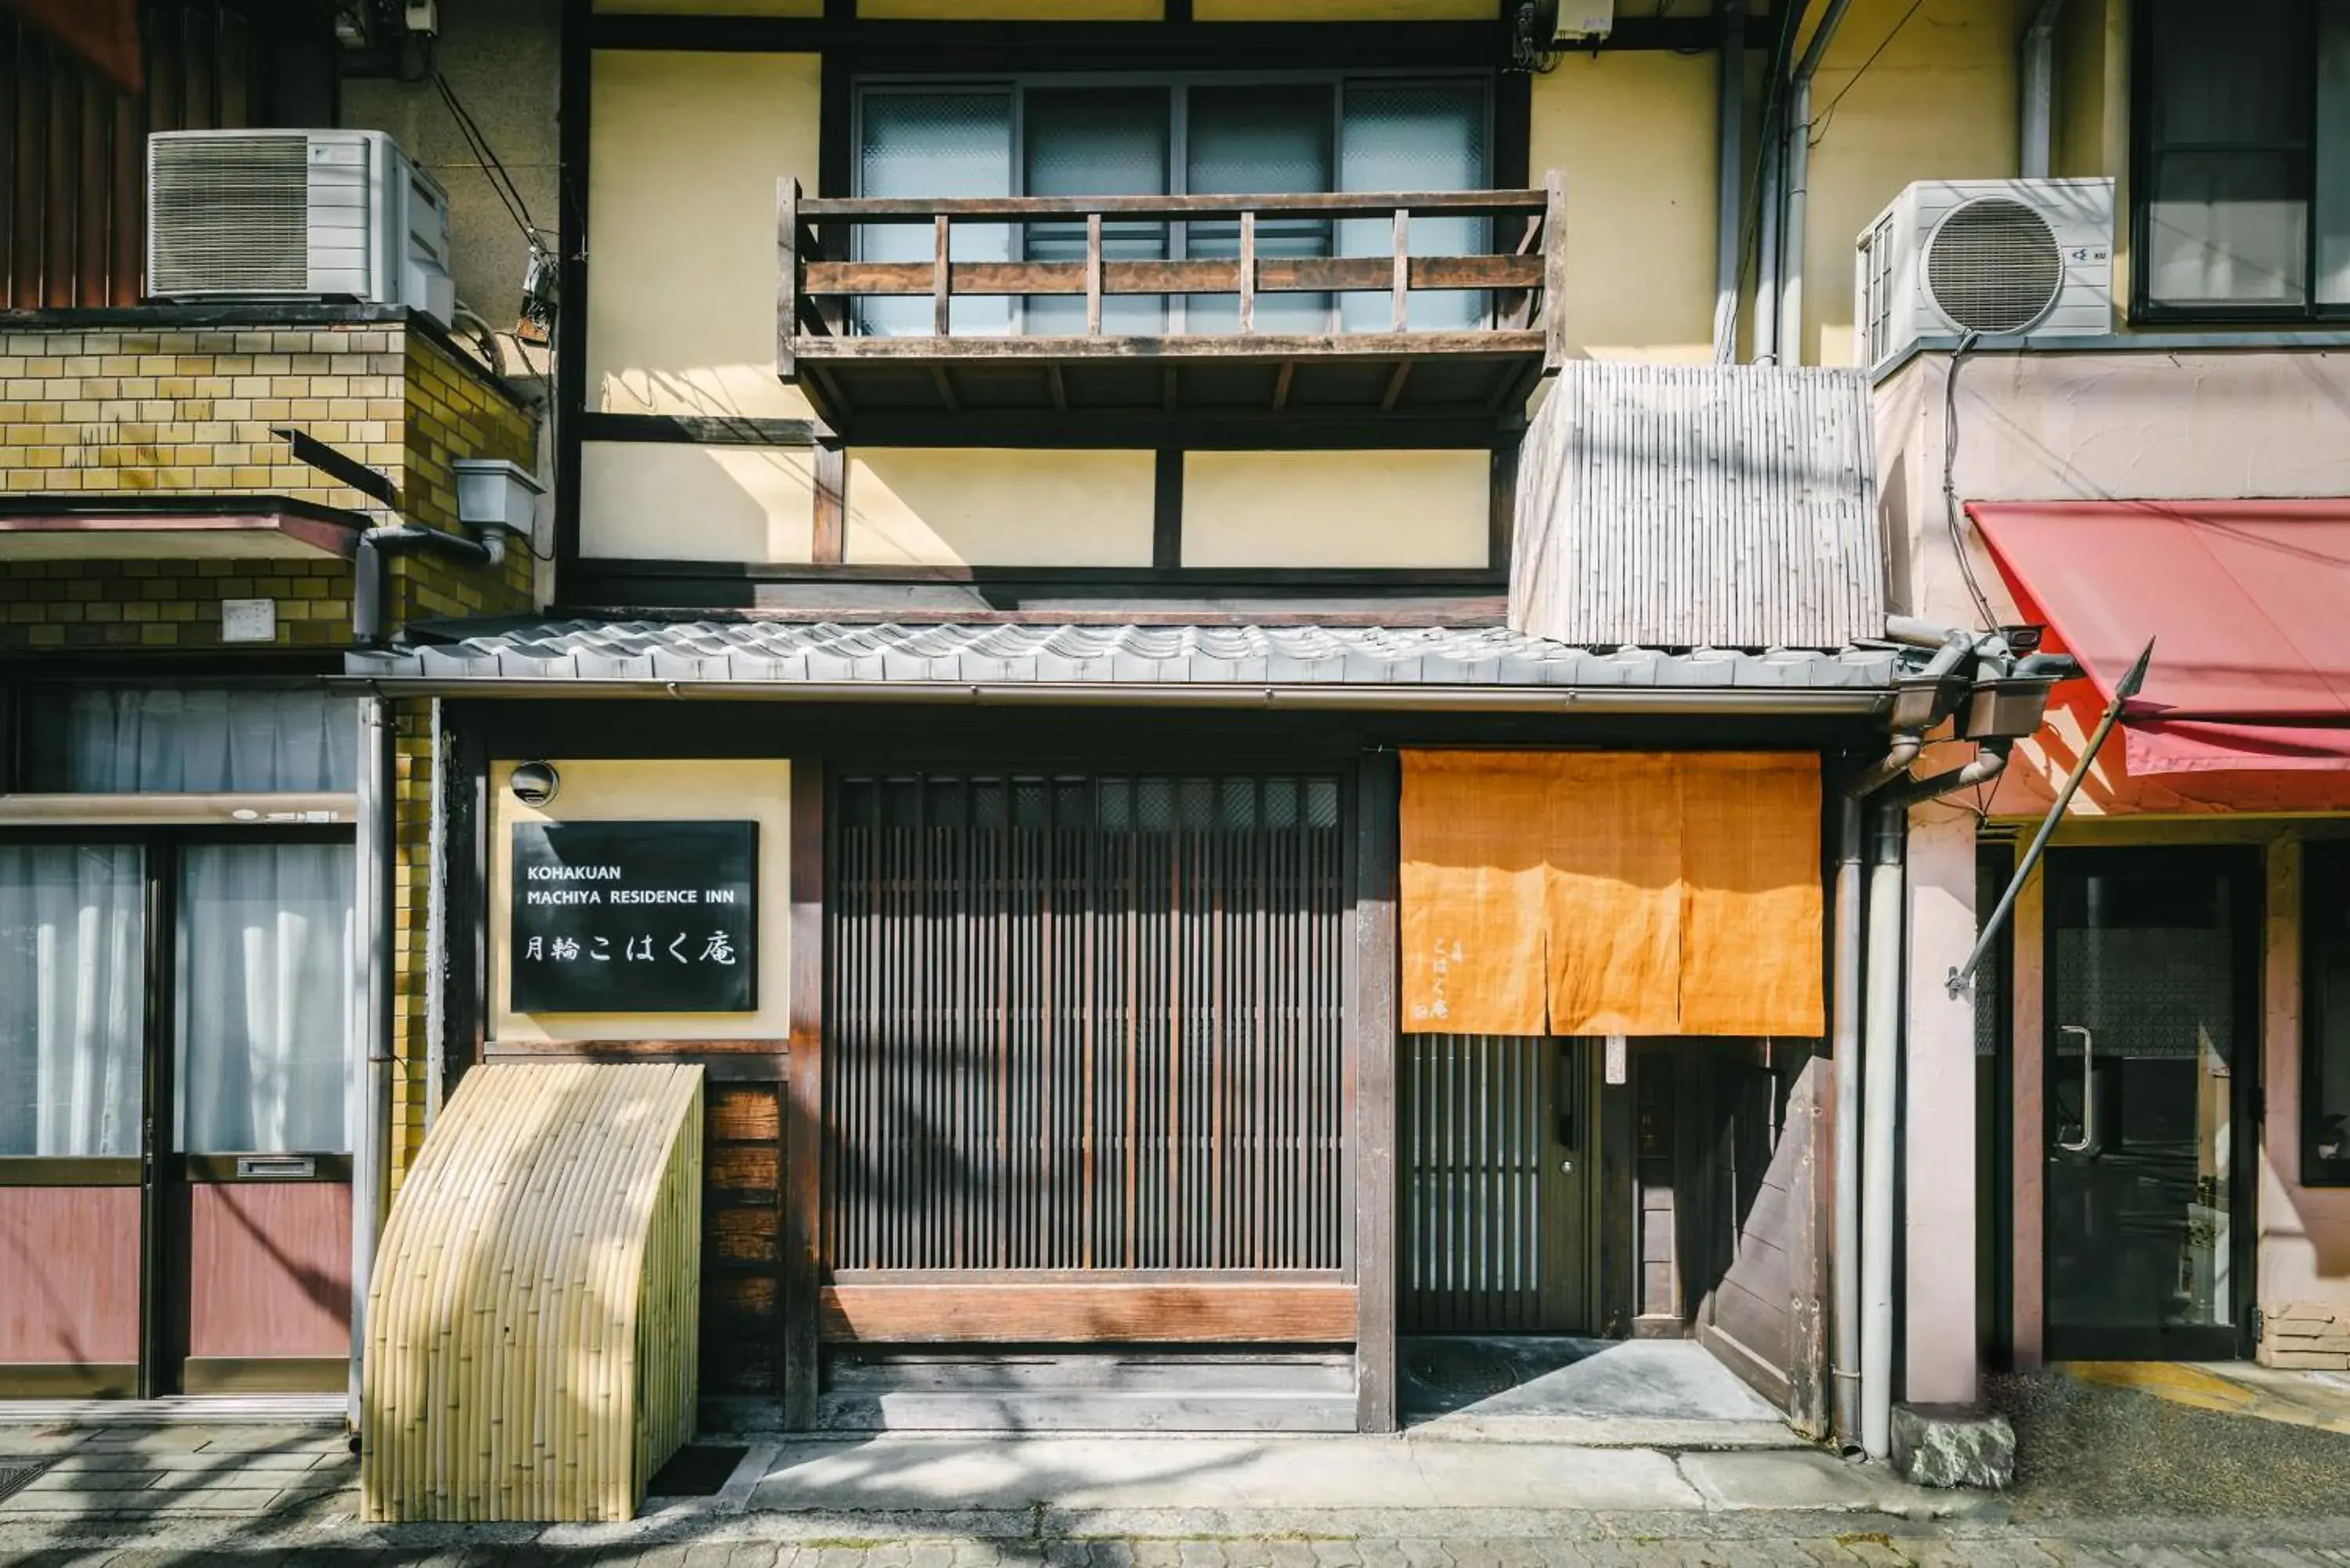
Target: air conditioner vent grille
{"points": [[1993, 265], [230, 215]]}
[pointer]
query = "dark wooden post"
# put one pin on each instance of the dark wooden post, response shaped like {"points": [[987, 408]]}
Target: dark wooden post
{"points": [[1554, 300], [787, 276], [941, 278], [1373, 1029], [804, 1098]]}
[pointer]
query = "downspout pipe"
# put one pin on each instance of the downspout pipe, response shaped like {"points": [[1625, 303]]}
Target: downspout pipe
{"points": [[1880, 1067], [376, 547], [1797, 160], [1729, 205], [2036, 101], [371, 931]]}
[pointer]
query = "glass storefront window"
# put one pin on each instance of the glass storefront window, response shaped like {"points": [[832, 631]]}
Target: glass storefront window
{"points": [[72, 999], [268, 998]]}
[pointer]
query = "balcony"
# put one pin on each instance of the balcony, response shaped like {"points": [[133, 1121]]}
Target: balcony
{"points": [[936, 345]]}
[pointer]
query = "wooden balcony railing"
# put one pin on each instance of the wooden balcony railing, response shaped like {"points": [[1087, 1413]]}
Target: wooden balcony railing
{"points": [[860, 368]]}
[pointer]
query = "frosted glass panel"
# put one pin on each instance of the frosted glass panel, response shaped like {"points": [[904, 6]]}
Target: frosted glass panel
{"points": [[1096, 141], [1260, 141], [72, 999], [110, 740], [932, 144], [268, 998], [1413, 137]]}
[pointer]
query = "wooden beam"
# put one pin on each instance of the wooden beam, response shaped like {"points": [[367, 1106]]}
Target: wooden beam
{"points": [[1371, 1038], [1167, 512], [1094, 276], [1121, 1311], [1303, 205], [1555, 279], [787, 276], [1248, 271], [1093, 284], [829, 542], [803, 1097], [1399, 317], [1263, 348], [942, 277]]}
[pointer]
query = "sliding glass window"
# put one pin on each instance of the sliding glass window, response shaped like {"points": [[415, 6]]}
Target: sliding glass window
{"points": [[2242, 187], [1161, 136]]}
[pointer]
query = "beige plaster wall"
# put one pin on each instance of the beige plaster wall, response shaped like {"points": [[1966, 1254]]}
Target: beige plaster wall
{"points": [[1632, 132], [684, 152], [650, 501], [1335, 508], [687, 789], [2304, 1232], [995, 507], [1937, 103]]}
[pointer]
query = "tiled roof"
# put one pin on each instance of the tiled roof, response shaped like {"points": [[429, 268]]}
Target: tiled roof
{"points": [[785, 653]]}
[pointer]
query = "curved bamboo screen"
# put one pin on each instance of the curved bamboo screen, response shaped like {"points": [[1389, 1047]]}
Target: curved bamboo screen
{"points": [[533, 1329]]}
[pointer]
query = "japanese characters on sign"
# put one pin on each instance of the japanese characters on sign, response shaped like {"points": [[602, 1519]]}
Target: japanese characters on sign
{"points": [[635, 917]]}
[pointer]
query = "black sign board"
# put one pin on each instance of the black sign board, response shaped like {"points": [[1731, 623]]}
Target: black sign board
{"points": [[635, 917]]}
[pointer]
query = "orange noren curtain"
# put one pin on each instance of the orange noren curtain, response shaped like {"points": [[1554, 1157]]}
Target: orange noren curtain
{"points": [[1611, 893], [1473, 884]]}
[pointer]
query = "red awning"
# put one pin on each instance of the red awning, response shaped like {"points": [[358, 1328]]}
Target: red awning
{"points": [[2249, 602]]}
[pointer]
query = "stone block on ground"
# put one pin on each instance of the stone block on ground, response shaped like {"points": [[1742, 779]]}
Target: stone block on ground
{"points": [[1953, 1446]]}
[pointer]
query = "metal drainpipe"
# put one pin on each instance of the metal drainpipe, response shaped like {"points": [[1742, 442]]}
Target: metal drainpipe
{"points": [[1729, 180], [1881, 1071], [376, 547], [1797, 176], [372, 930], [1845, 1043], [1881, 1084], [2036, 73], [1766, 248]]}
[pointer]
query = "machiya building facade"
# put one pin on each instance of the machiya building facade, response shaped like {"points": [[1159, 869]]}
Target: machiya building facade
{"points": [[1255, 720]]}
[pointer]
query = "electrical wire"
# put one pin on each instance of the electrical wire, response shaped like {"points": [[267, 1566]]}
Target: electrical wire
{"points": [[508, 193], [1820, 124], [1951, 479]]}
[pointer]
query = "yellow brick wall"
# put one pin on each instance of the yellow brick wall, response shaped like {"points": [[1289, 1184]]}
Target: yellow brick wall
{"points": [[410, 883], [187, 411]]}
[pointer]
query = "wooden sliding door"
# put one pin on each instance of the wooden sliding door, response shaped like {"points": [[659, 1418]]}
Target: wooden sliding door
{"points": [[1085, 1054]]}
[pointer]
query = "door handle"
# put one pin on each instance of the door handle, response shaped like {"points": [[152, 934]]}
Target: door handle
{"points": [[2088, 1091]]}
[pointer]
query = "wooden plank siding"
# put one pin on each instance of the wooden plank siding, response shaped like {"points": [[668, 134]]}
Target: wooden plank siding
{"points": [[743, 1246], [1087, 1030], [1092, 1312], [73, 149]]}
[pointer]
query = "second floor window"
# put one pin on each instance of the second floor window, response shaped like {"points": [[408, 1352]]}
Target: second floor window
{"points": [[1058, 136], [2242, 203]]}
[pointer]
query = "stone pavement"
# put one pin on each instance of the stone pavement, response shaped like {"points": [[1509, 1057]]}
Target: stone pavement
{"points": [[2295, 1397], [183, 1496]]}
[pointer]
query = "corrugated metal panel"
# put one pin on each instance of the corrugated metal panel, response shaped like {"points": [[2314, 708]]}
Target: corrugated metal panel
{"points": [[533, 1324], [1699, 506], [783, 653]]}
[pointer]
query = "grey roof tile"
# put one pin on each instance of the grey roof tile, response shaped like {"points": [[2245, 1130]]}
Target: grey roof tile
{"points": [[788, 652]]}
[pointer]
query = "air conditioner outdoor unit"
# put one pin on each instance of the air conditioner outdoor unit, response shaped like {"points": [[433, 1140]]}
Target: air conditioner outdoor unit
{"points": [[1995, 257], [294, 214]]}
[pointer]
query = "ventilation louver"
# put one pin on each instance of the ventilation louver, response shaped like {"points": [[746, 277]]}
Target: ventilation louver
{"points": [[1994, 266]]}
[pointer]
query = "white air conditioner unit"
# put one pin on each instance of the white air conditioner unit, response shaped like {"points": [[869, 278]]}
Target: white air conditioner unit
{"points": [[294, 214], [1995, 257]]}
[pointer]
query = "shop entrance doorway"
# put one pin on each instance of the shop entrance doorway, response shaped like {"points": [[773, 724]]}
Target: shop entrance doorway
{"points": [[1500, 1158], [2151, 1070]]}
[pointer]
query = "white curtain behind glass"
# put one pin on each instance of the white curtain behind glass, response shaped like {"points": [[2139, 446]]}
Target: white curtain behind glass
{"points": [[267, 998], [116, 741], [72, 984]]}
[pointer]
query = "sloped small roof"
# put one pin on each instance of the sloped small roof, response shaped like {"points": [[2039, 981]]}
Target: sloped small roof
{"points": [[786, 654]]}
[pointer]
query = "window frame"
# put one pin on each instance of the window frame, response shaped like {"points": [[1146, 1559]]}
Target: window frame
{"points": [[2318, 856], [2143, 307], [1177, 84]]}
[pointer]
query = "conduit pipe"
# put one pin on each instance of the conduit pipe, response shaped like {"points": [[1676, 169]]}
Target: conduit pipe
{"points": [[371, 1177], [2036, 101], [373, 566], [1797, 158], [1729, 180]]}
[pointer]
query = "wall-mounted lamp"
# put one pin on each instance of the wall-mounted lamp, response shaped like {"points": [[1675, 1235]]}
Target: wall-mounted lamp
{"points": [[535, 783], [495, 498]]}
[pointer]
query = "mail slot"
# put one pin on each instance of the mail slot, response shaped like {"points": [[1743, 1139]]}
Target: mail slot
{"points": [[276, 1168]]}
